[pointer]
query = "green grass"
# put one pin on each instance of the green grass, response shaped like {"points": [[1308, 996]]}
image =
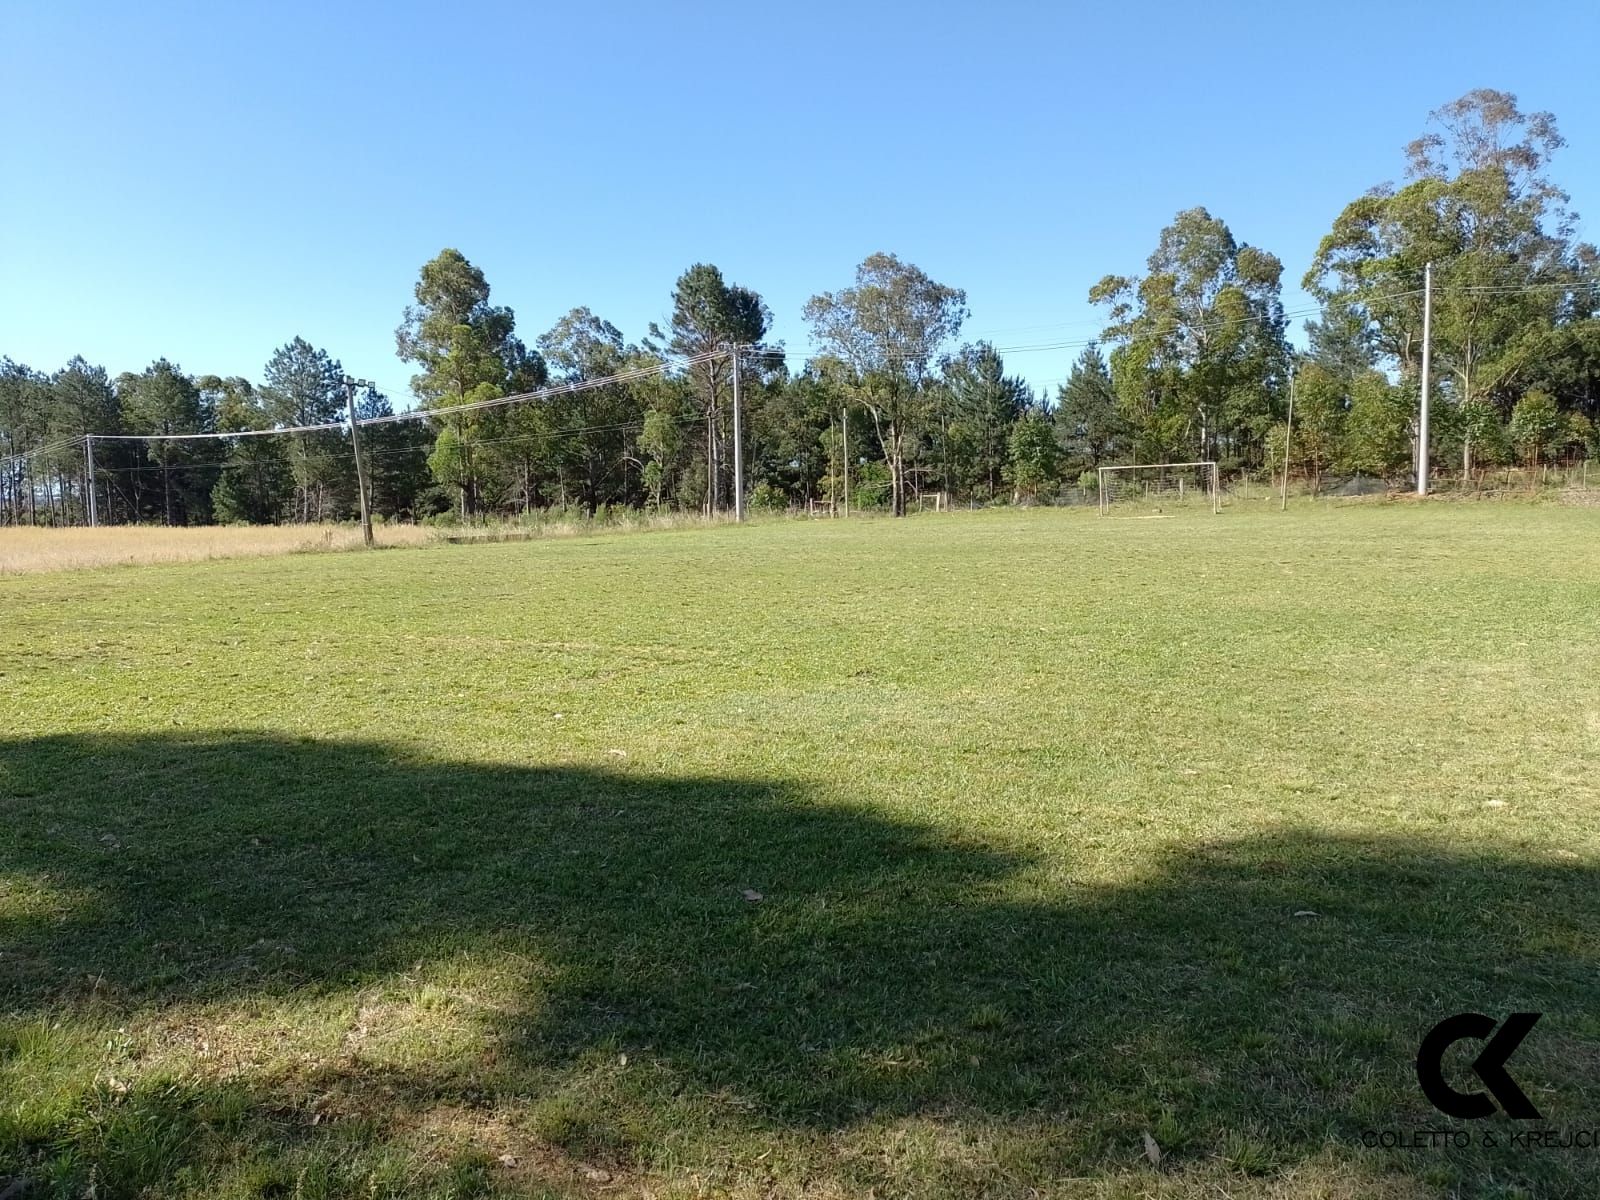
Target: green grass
{"points": [[425, 872]]}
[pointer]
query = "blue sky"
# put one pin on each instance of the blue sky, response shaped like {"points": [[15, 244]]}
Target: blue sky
{"points": [[206, 181]]}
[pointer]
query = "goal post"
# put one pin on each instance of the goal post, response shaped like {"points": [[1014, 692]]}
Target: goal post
{"points": [[1161, 483]]}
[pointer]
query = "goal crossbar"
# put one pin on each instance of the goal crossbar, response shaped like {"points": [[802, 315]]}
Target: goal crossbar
{"points": [[1213, 483]]}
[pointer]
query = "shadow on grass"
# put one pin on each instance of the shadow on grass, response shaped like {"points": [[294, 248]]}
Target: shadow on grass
{"points": [[699, 966]]}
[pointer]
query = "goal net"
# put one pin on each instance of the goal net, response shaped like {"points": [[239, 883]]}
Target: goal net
{"points": [[1155, 487]]}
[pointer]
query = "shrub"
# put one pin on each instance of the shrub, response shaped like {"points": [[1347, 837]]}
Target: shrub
{"points": [[766, 498]]}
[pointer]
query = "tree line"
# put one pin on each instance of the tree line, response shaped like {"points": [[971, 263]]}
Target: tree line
{"points": [[1194, 362]]}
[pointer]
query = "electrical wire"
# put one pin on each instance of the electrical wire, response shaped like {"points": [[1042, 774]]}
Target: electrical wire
{"points": [[684, 362], [393, 451], [1171, 328], [424, 414], [565, 389], [23, 455]]}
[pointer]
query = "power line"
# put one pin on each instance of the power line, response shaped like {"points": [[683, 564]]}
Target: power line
{"points": [[216, 434], [393, 451], [423, 414], [1170, 328], [565, 389], [24, 455], [674, 362], [1286, 315]]}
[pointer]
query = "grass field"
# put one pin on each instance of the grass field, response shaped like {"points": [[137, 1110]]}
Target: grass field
{"points": [[971, 855]]}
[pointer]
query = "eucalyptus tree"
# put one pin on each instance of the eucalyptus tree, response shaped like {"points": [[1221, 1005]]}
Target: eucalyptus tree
{"points": [[1199, 354], [592, 442], [661, 439], [1379, 429], [1511, 280], [1321, 402], [1537, 429], [886, 332]]}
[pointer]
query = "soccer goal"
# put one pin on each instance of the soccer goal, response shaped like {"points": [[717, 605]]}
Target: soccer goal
{"points": [[1159, 485]]}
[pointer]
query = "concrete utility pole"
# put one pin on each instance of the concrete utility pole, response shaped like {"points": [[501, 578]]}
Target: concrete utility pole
{"points": [[1427, 366], [832, 490], [350, 386], [88, 454], [738, 441], [844, 423], [1288, 432]]}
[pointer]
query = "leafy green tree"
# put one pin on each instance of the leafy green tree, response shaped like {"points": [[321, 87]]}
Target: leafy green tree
{"points": [[661, 438], [1507, 267], [1580, 434], [1200, 351], [1537, 428], [593, 448], [24, 406], [1378, 430], [519, 451], [46, 417], [84, 400], [1319, 415], [1338, 343], [448, 459], [303, 385], [790, 419], [1481, 426], [1571, 370], [871, 485], [764, 497], [885, 333], [1035, 455]]}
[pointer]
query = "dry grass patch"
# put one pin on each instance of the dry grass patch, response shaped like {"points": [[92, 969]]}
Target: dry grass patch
{"points": [[26, 550]]}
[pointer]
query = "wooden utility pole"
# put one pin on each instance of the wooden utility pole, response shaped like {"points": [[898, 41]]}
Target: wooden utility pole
{"points": [[350, 386], [88, 454]]}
